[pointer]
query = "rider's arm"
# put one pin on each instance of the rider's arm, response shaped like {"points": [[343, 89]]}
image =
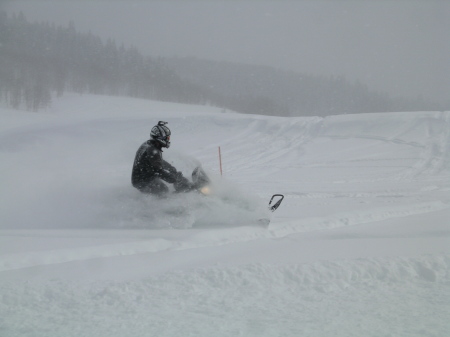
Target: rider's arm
{"points": [[168, 173], [160, 167], [180, 183]]}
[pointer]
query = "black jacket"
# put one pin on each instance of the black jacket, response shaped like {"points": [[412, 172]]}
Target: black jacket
{"points": [[149, 164]]}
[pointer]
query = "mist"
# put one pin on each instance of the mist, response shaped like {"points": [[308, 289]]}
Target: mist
{"points": [[398, 47]]}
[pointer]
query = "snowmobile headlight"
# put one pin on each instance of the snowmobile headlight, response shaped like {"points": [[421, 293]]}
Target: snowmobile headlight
{"points": [[205, 190]]}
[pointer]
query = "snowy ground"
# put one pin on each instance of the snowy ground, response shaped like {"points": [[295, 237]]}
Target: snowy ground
{"points": [[360, 246]]}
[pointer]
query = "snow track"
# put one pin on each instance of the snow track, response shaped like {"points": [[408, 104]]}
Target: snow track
{"points": [[156, 242]]}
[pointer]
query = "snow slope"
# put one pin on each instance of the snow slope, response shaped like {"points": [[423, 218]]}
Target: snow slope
{"points": [[360, 246]]}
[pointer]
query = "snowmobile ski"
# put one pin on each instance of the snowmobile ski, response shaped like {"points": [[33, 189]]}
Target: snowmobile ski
{"points": [[274, 203], [277, 204]]}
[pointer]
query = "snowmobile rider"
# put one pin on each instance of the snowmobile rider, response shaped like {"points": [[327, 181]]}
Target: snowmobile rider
{"points": [[149, 168]]}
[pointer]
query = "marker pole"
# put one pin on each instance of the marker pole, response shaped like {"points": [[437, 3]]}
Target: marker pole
{"points": [[220, 161]]}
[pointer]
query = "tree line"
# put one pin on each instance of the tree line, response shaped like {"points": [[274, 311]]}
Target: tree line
{"points": [[40, 61], [292, 93]]}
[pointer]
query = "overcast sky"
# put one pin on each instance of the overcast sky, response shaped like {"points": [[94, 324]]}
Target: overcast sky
{"points": [[401, 47]]}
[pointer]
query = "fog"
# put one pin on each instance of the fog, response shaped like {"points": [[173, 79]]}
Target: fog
{"points": [[400, 47]]}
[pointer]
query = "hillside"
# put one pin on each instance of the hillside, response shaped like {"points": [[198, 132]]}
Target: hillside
{"points": [[288, 93], [359, 247]]}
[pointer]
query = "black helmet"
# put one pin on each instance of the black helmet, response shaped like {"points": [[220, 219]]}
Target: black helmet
{"points": [[161, 134]]}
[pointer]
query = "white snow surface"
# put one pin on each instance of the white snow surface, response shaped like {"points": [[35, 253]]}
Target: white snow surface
{"points": [[359, 247]]}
